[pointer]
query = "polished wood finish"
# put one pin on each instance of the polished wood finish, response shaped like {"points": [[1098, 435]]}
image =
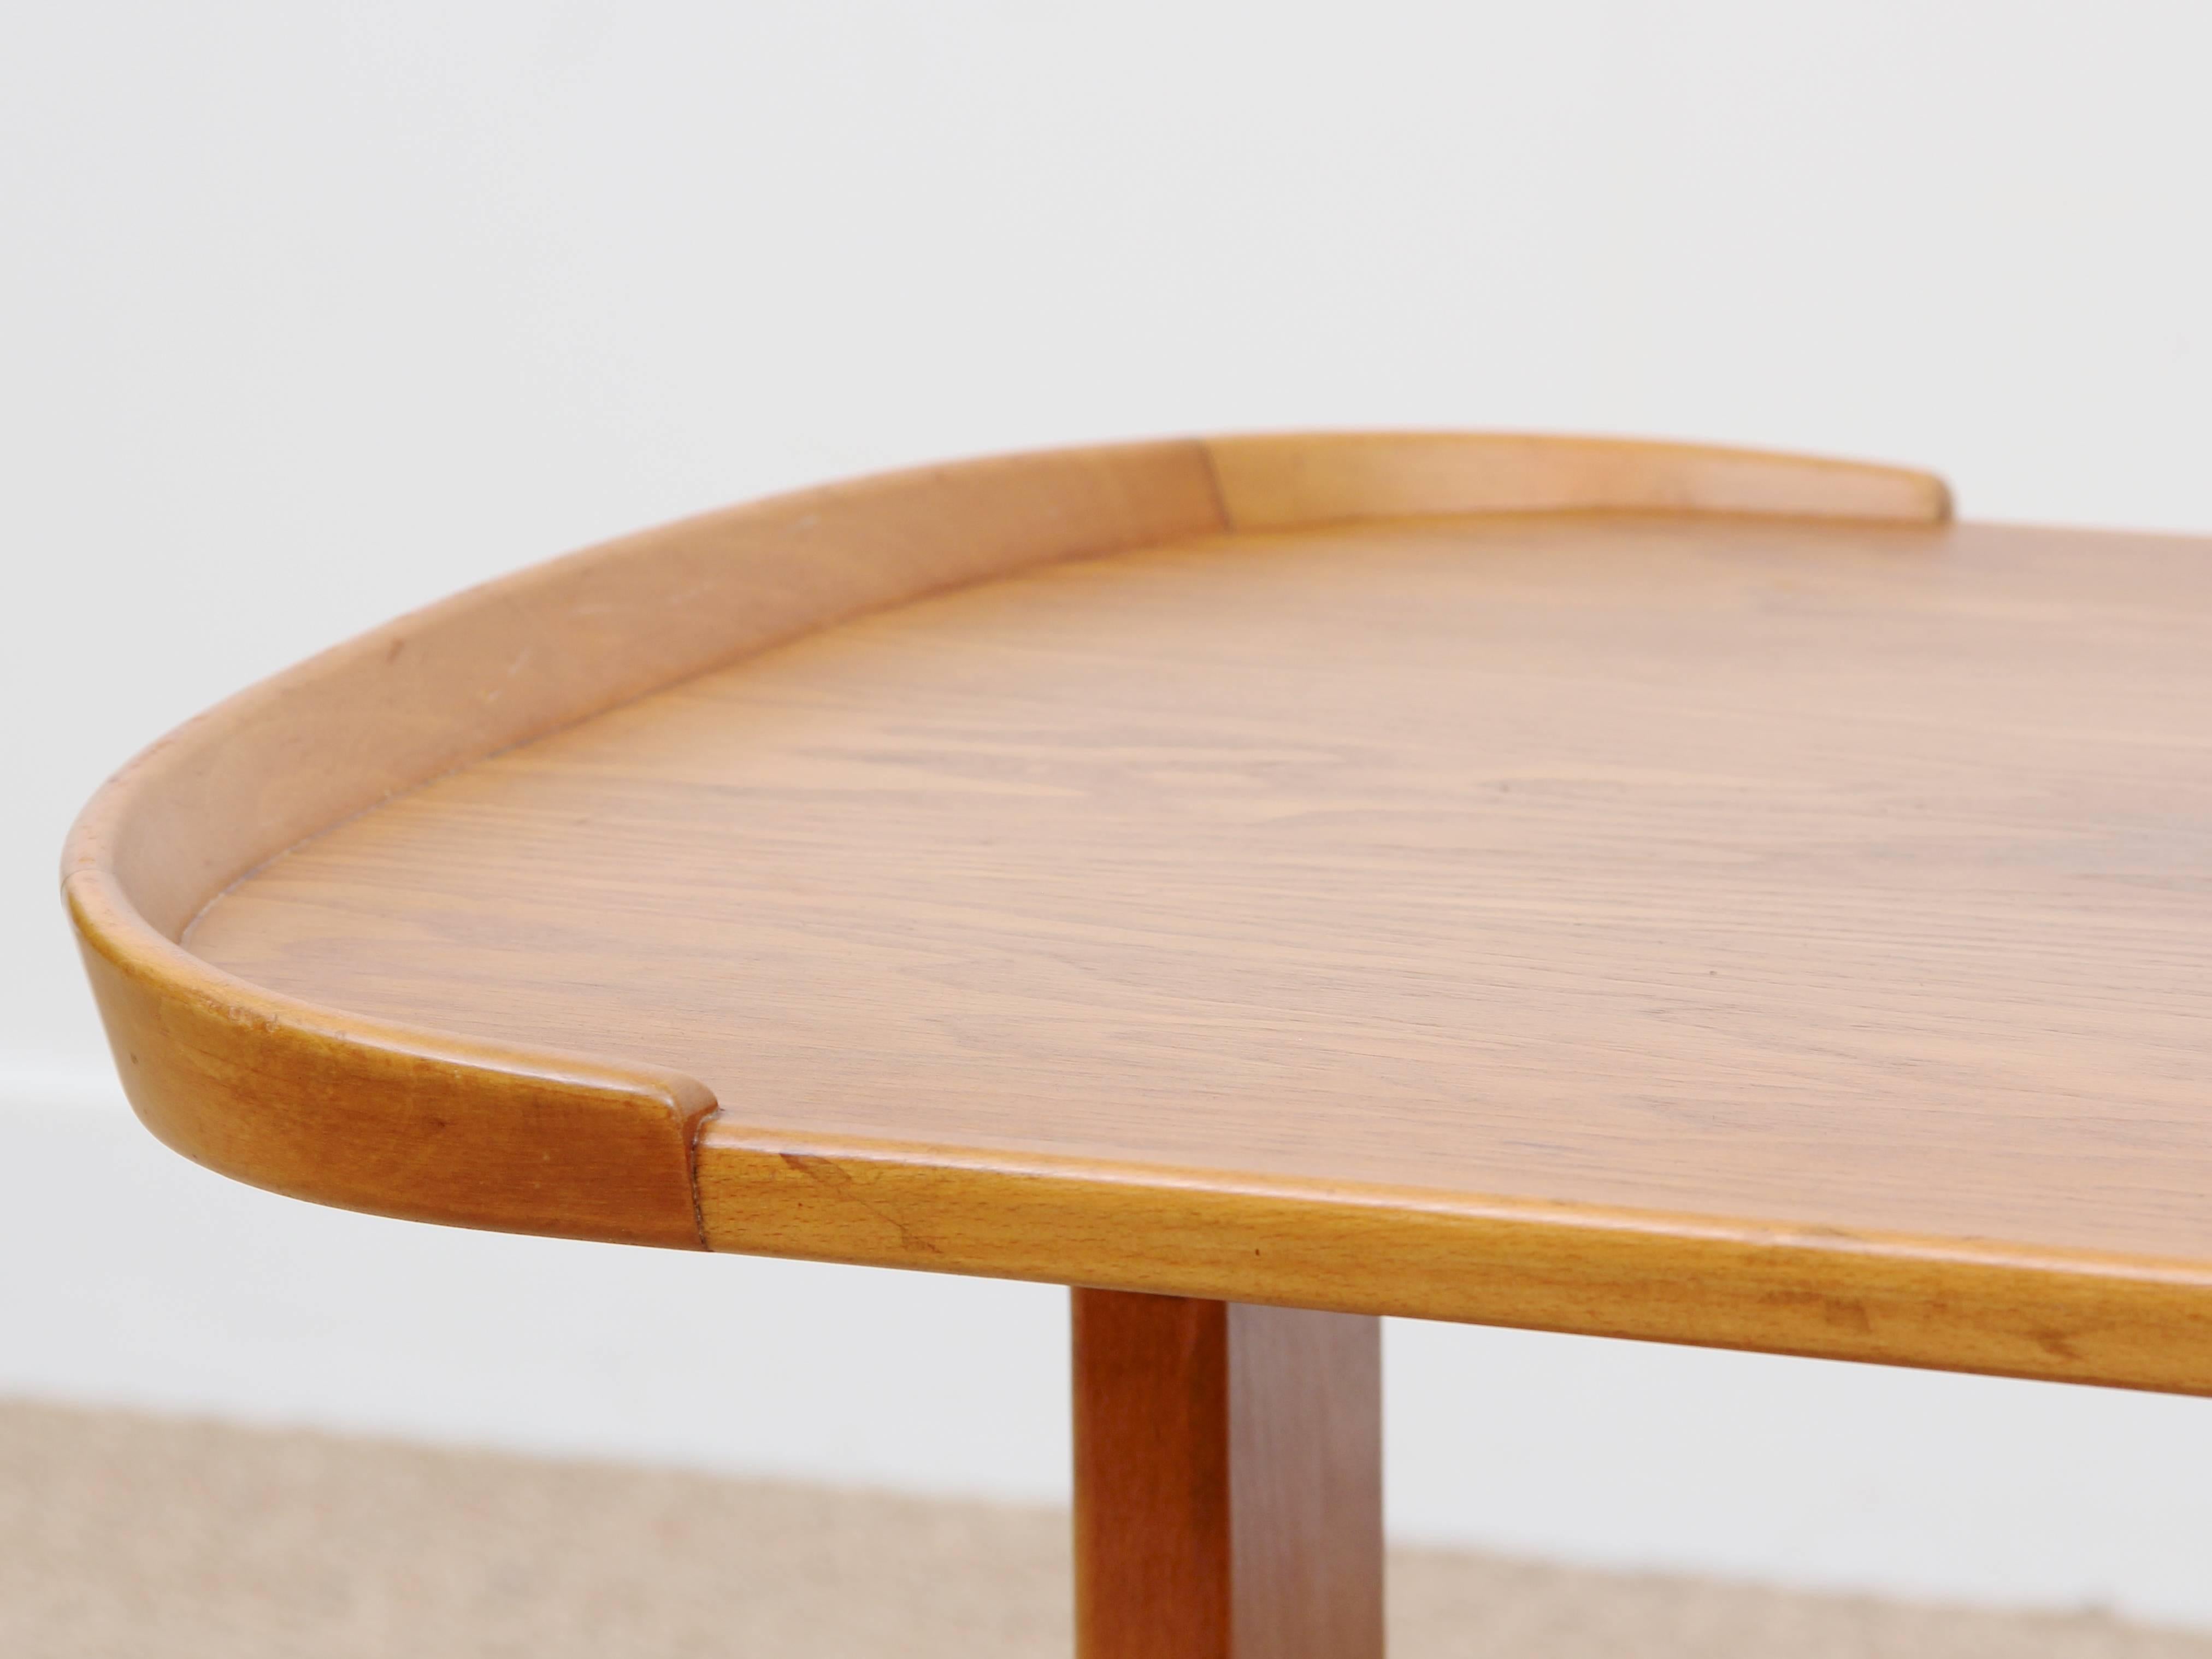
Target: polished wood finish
{"points": [[1942, 1302], [1289, 481], [414, 1118], [375, 1115], [1228, 1481], [1521, 919], [417, 1119], [1760, 930]]}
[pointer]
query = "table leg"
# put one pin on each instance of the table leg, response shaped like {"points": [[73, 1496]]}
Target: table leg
{"points": [[1228, 1481]]}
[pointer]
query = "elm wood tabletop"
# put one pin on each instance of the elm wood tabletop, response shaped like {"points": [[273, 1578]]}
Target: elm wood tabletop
{"points": [[1629, 888]]}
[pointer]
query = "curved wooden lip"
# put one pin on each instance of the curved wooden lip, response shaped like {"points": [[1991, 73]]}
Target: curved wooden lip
{"points": [[373, 1115]]}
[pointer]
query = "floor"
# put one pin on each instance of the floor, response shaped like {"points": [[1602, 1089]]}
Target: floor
{"points": [[128, 1537]]}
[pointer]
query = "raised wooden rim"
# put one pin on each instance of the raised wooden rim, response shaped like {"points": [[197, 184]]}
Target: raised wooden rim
{"points": [[373, 1115]]}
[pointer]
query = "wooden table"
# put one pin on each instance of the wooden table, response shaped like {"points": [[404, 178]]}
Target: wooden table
{"points": [[1266, 882]]}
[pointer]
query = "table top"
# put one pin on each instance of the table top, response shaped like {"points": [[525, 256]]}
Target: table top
{"points": [[1669, 894]]}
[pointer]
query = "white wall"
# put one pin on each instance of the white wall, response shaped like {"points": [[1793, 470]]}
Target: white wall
{"points": [[310, 312]]}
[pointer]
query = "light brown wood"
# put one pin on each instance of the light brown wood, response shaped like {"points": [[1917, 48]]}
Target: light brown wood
{"points": [[1527, 919], [416, 1118], [1228, 1481], [1519, 919], [1286, 481], [1778, 934], [1946, 1302]]}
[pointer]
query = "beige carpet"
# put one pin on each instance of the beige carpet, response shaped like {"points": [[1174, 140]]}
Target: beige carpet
{"points": [[127, 1537]]}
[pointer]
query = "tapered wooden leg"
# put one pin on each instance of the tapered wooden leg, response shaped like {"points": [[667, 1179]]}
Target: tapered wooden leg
{"points": [[1228, 1481]]}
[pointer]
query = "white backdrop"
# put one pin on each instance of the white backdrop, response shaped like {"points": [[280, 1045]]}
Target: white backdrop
{"points": [[311, 312]]}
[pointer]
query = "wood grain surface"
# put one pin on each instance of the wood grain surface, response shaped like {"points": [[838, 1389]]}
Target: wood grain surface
{"points": [[1785, 934], [422, 1120], [1728, 904], [1228, 1481]]}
